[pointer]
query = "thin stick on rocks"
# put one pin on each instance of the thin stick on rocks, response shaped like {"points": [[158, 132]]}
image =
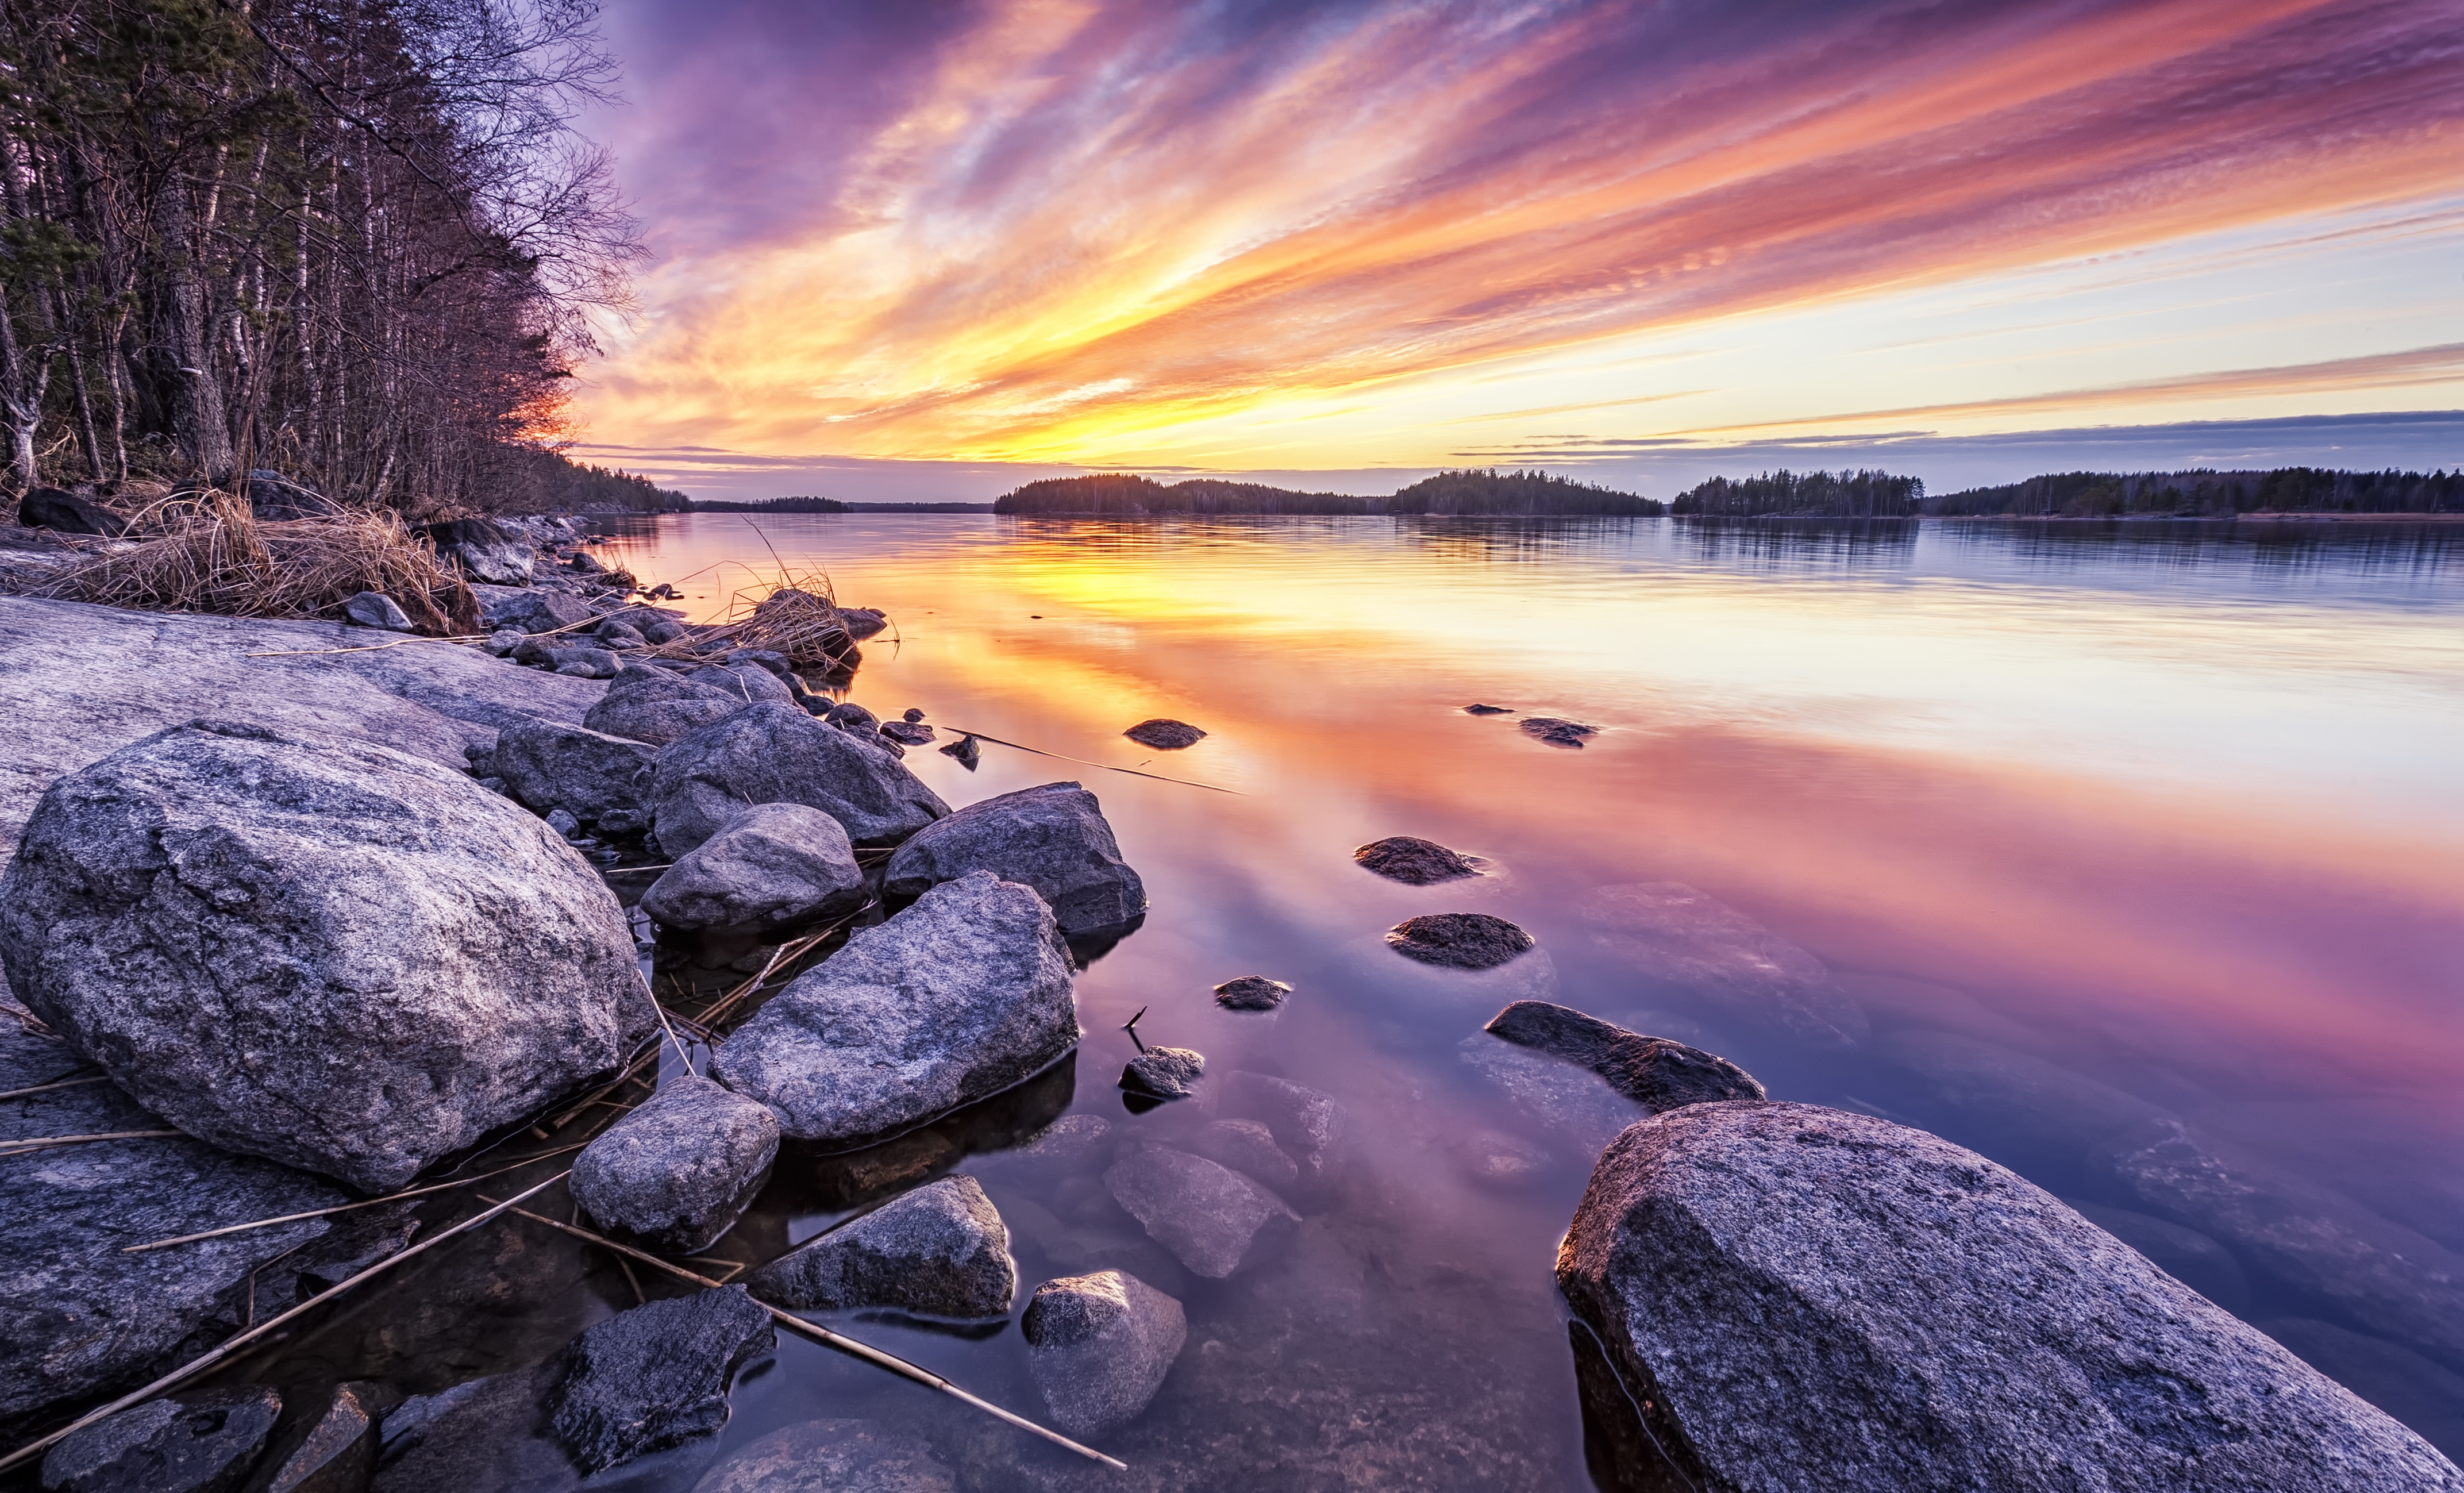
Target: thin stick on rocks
{"points": [[200, 1364], [372, 1202], [45, 1089], [795, 1324], [18, 1148]]}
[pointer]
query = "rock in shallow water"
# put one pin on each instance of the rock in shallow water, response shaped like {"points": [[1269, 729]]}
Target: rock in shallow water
{"points": [[775, 753], [656, 1376], [1165, 735], [939, 1251], [1460, 940], [550, 765], [772, 865], [658, 707], [1412, 862], [1809, 1299], [831, 1457], [1053, 838], [1653, 1071], [1099, 1346], [1251, 992], [1207, 1214], [1164, 1072], [1248, 1146], [679, 1170], [316, 950], [332, 1450], [1673, 932], [1556, 732], [953, 999], [200, 1443]]}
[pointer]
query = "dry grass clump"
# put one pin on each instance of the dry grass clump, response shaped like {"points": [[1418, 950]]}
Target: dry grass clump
{"points": [[795, 614], [206, 552]]}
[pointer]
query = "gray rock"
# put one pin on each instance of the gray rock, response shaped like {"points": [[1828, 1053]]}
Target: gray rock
{"points": [[376, 609], [503, 642], [853, 719], [1248, 1146], [964, 752], [620, 635], [1099, 1346], [2415, 1390], [484, 549], [200, 1443], [678, 1171], [1556, 732], [2386, 1277], [2187, 1255], [482, 1436], [548, 764], [1412, 862], [1459, 940], [1164, 1074], [1053, 838], [1072, 1140], [316, 950], [531, 611], [909, 733], [653, 706], [583, 663], [1251, 992], [1206, 1214], [1673, 932], [557, 820], [862, 621], [1805, 1298], [1165, 735], [1306, 1123], [656, 1376], [1556, 1093], [1488, 709], [272, 495], [953, 999], [771, 866], [776, 754], [831, 1457], [332, 1450], [1653, 1071], [748, 682], [939, 1251], [64, 512]]}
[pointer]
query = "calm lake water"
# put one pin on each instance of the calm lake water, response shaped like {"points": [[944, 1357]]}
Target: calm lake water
{"points": [[2094, 828]]}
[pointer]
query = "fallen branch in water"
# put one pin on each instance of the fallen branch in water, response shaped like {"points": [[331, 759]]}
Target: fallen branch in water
{"points": [[320, 1213], [1106, 766], [18, 1148], [845, 1344], [197, 1365]]}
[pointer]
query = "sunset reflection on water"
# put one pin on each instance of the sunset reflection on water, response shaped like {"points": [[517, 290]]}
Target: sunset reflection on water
{"points": [[2167, 815]]}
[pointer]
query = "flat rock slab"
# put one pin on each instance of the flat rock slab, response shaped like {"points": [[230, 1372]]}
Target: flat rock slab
{"points": [[1251, 992], [1653, 1071], [1164, 1074], [1099, 1346], [771, 866], [1811, 1299], [1412, 860], [656, 1376], [952, 1001], [1165, 735], [774, 753], [1675, 933], [199, 1442], [316, 950], [832, 1456], [1206, 1214], [1053, 838], [1460, 940], [681, 1168], [939, 1251]]}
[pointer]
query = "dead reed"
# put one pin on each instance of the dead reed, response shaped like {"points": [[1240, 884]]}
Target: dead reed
{"points": [[206, 552]]}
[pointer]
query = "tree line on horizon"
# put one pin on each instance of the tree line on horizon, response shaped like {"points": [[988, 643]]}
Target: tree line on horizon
{"points": [[2076, 495], [357, 241], [1490, 492]]}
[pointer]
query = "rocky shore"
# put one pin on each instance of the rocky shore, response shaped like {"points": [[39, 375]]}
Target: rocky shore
{"points": [[291, 920]]}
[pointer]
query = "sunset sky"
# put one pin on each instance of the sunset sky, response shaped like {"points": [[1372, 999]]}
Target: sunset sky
{"points": [[925, 250]]}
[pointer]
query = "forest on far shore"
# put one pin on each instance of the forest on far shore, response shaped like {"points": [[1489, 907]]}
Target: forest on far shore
{"points": [[1123, 495], [2077, 494]]}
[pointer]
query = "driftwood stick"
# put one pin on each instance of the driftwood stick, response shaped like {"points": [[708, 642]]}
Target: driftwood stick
{"points": [[18, 1148], [44, 1088], [365, 648], [892, 1362], [1104, 766], [320, 1213], [197, 1365]]}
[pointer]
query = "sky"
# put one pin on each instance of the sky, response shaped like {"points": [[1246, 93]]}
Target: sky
{"points": [[932, 249]]}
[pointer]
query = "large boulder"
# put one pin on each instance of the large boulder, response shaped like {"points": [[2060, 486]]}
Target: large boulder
{"points": [[527, 610], [939, 1251], [1053, 838], [1674, 933], [1655, 1072], [681, 1168], [775, 753], [316, 950], [1802, 1298], [953, 999], [658, 707], [199, 1442], [64, 512], [656, 1376], [484, 549], [1099, 1346], [549, 765], [771, 866]]}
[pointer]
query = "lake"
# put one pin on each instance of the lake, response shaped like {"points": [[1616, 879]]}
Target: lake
{"points": [[2094, 828]]}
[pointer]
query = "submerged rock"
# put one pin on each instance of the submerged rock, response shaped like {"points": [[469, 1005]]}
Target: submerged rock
{"points": [[332, 1450], [1556, 732], [1251, 992], [939, 1251], [953, 999], [1412, 862], [679, 1170], [1099, 1346], [1052, 837], [1805, 1298], [488, 1435], [1674, 933], [656, 1376], [1558, 1094], [316, 950], [203, 1441], [376, 609], [1306, 1123], [1248, 1146], [831, 1457], [771, 866], [1487, 710], [1165, 735], [775, 753], [550, 765], [1164, 1072], [1653, 1071], [1206, 1214], [658, 707], [1460, 940]]}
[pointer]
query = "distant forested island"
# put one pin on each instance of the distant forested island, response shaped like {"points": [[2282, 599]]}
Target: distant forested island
{"points": [[1121, 496], [2201, 494], [767, 505]]}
